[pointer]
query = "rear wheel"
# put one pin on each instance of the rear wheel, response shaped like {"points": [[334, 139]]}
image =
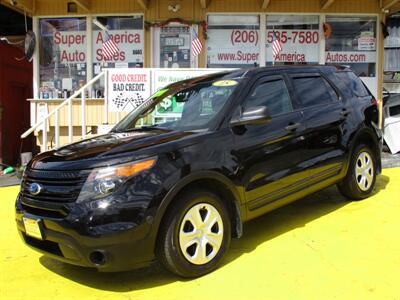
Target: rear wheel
{"points": [[361, 175], [195, 235]]}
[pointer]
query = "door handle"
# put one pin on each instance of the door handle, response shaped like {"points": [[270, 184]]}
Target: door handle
{"points": [[292, 127], [344, 112]]}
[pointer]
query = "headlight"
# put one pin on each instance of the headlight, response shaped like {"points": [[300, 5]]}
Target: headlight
{"points": [[103, 181]]}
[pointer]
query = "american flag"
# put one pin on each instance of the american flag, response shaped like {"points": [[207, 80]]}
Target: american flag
{"points": [[276, 46], [197, 46], [109, 47]]}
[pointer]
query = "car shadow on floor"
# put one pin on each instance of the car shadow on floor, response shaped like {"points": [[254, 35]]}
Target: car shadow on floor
{"points": [[256, 232]]}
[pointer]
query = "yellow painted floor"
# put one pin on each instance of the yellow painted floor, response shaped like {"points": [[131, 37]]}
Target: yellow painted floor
{"points": [[321, 247]]}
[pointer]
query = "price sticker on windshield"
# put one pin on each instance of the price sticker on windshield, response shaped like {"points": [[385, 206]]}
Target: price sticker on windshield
{"points": [[225, 83]]}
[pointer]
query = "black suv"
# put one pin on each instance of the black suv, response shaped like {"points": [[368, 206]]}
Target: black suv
{"points": [[247, 142]]}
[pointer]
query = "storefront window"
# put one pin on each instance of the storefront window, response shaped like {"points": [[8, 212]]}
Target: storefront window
{"points": [[62, 56], [299, 36], [233, 41], [127, 32], [351, 41]]}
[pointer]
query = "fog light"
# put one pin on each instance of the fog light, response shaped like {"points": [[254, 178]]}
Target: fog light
{"points": [[97, 257]]}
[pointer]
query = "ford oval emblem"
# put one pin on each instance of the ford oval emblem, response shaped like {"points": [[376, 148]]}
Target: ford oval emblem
{"points": [[35, 188]]}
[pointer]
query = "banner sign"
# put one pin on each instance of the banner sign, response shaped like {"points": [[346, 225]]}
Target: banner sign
{"points": [[127, 88], [162, 78], [130, 44], [298, 46]]}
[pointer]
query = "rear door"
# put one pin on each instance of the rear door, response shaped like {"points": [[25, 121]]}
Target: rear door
{"points": [[325, 117], [270, 156]]}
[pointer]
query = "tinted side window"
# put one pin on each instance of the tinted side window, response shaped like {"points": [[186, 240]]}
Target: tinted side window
{"points": [[313, 90], [353, 83], [273, 94], [394, 110]]}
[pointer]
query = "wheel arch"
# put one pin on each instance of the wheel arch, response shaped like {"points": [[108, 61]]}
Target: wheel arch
{"points": [[209, 180], [366, 135]]}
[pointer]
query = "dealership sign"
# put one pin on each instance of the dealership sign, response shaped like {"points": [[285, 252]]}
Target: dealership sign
{"points": [[298, 46], [353, 57], [233, 46], [241, 46], [130, 44], [71, 46], [127, 88]]}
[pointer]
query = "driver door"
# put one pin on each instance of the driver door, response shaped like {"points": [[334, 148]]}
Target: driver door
{"points": [[270, 156]]}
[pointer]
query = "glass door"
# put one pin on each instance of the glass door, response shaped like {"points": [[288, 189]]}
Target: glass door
{"points": [[172, 47]]}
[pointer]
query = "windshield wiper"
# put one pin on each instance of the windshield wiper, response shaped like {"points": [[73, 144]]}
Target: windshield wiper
{"points": [[148, 127], [153, 127]]}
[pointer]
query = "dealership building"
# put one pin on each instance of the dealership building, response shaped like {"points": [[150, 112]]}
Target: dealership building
{"points": [[159, 33]]}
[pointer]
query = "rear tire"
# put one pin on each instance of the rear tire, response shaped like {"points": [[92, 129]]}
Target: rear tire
{"points": [[195, 235], [361, 175]]}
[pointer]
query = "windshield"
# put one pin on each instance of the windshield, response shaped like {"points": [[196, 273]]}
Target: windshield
{"points": [[195, 106]]}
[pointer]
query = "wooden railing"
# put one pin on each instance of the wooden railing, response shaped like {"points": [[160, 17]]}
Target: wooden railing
{"points": [[43, 123]]}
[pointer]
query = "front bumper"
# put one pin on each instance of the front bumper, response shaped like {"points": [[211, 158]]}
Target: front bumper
{"points": [[109, 247]]}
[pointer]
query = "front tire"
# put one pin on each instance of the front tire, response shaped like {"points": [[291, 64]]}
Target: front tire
{"points": [[361, 175], [195, 235]]}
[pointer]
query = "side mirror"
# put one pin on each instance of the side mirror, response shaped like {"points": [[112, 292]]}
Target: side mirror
{"points": [[257, 115]]}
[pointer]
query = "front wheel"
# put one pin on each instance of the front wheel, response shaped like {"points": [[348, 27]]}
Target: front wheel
{"points": [[195, 235], [361, 175]]}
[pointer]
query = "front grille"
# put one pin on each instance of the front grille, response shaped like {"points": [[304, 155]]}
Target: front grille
{"points": [[45, 212], [57, 186]]}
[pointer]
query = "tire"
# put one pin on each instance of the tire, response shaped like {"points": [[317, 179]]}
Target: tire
{"points": [[189, 228], [361, 175]]}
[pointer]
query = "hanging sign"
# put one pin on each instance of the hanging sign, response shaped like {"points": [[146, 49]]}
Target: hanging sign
{"points": [[127, 88]]}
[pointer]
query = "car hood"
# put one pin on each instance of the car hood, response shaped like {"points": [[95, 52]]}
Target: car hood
{"points": [[112, 148]]}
